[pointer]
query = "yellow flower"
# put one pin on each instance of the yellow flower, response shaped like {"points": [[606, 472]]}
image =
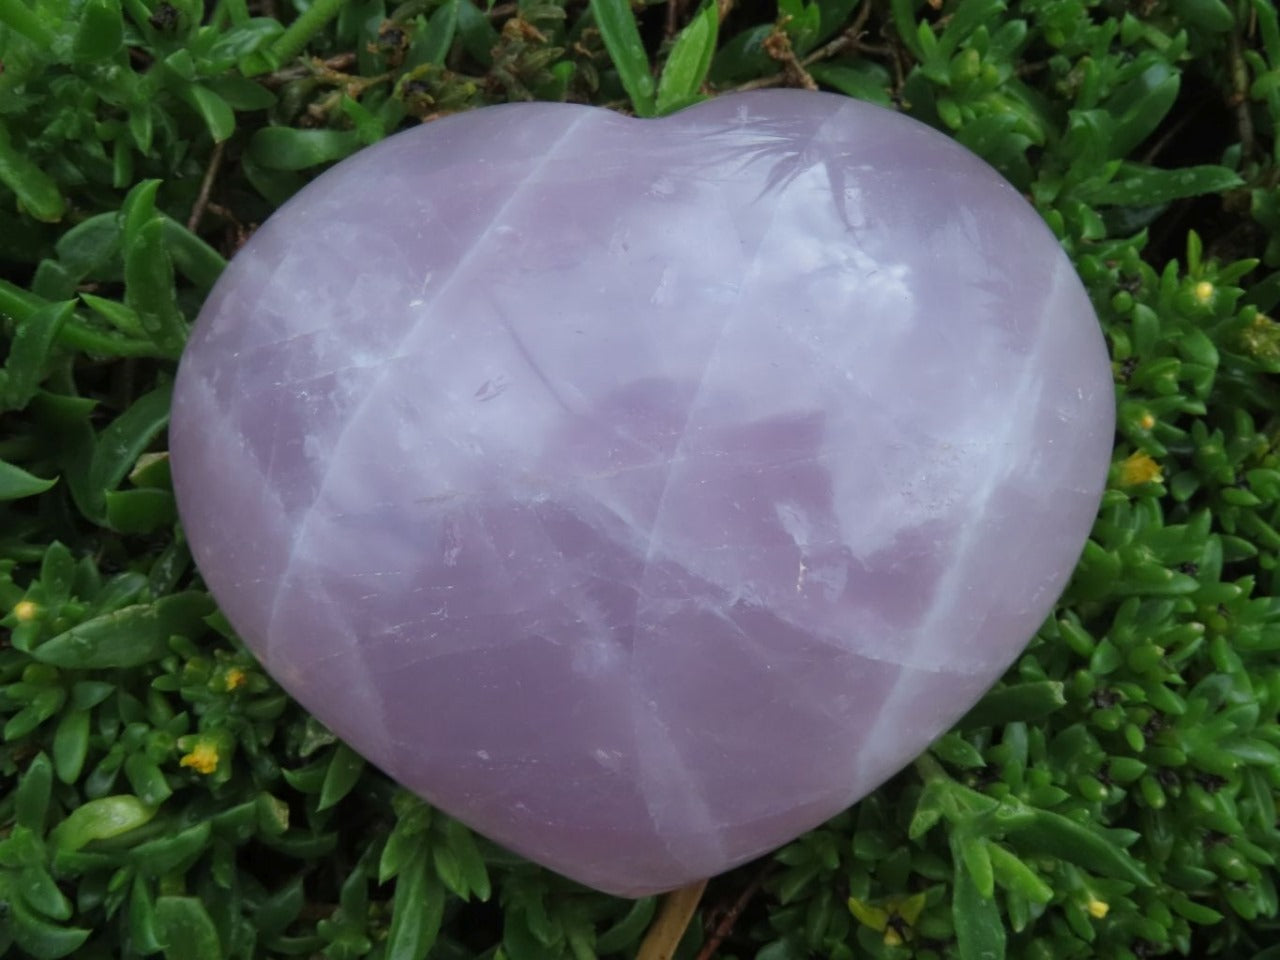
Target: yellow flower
{"points": [[1098, 908], [235, 678], [1203, 291], [202, 758], [1137, 469], [25, 610]]}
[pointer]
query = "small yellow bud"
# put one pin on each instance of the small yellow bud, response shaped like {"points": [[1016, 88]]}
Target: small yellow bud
{"points": [[1147, 421], [203, 758], [1098, 908], [25, 610], [235, 678], [1203, 292], [1137, 469]]}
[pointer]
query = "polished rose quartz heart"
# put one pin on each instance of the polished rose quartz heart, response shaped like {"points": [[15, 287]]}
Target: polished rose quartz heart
{"points": [[644, 492]]}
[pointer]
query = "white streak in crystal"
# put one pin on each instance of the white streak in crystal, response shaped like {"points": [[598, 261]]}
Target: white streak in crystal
{"points": [[758, 264], [939, 637], [672, 793], [476, 251]]}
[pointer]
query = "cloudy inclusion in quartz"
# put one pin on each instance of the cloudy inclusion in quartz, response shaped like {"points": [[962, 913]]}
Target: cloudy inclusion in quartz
{"points": [[644, 492]]}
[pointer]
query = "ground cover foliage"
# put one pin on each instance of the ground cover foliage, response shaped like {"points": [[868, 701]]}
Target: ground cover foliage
{"points": [[1113, 797]]}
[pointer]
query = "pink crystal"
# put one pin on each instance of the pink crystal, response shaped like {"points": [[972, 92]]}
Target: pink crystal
{"points": [[645, 492]]}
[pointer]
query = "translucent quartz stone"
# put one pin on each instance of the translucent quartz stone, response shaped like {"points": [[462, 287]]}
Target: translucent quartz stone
{"points": [[644, 492]]}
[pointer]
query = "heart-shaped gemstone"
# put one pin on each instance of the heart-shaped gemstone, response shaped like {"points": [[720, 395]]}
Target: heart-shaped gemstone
{"points": [[644, 492]]}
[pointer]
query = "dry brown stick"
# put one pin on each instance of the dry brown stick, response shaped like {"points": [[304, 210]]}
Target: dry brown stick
{"points": [[1240, 95], [234, 233], [799, 75], [1168, 136], [334, 65], [778, 46], [672, 24], [677, 910], [760, 83], [725, 926], [850, 37], [899, 71], [206, 186]]}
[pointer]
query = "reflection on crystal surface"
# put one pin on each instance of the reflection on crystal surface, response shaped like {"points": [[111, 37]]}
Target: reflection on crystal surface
{"points": [[644, 492]]}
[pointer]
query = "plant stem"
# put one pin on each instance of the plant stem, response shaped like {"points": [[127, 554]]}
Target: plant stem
{"points": [[300, 32], [725, 926], [206, 187], [673, 919]]}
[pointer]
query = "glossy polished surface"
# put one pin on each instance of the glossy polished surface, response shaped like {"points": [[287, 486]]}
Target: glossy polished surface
{"points": [[644, 492]]}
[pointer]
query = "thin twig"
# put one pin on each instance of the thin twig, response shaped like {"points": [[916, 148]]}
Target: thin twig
{"points": [[725, 8], [899, 71], [502, 11], [1240, 95], [860, 21], [335, 64], [760, 83], [206, 185], [235, 233], [778, 46], [897, 53], [672, 24], [850, 38], [725, 926], [677, 910], [1176, 128]]}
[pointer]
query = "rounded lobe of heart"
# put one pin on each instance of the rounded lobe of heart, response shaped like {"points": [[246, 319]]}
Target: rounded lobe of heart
{"points": [[643, 493]]}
